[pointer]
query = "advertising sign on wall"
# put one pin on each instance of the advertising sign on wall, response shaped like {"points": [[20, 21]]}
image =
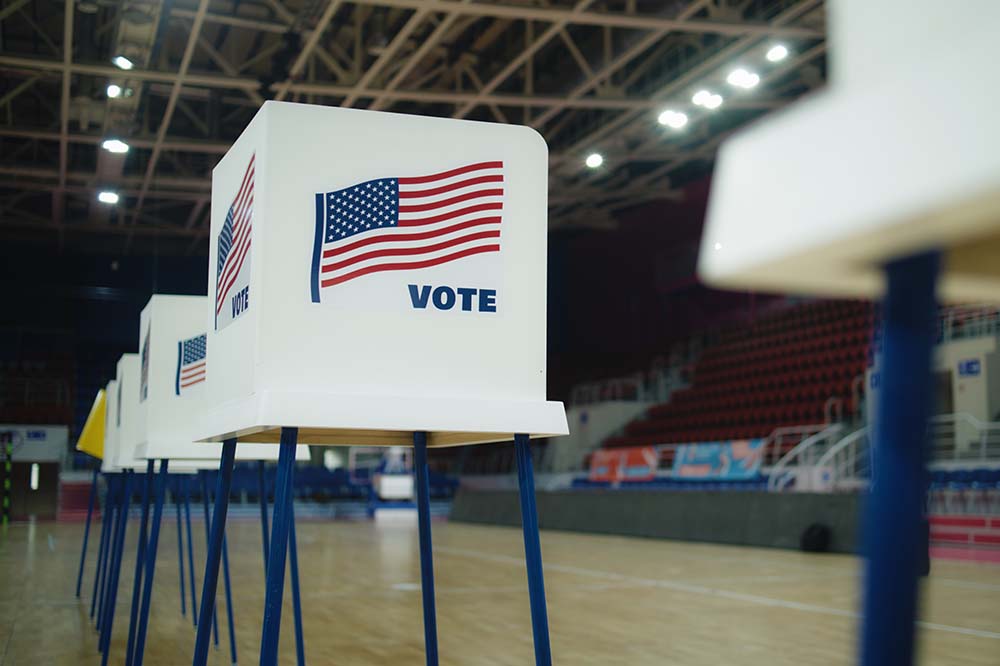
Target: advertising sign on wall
{"points": [[733, 459]]}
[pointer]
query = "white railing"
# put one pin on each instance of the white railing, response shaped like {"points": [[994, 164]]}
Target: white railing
{"points": [[963, 438], [804, 455], [631, 387], [848, 462], [956, 440], [969, 320]]}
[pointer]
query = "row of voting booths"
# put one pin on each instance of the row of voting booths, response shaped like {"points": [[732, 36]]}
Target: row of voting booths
{"points": [[397, 298]]}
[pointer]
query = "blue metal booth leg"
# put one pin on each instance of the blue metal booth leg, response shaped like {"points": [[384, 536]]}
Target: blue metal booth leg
{"points": [[116, 567], [114, 485], [102, 549], [532, 551], [190, 551], [147, 484], [86, 531], [262, 496], [176, 494], [218, 530], [293, 554], [154, 539], [894, 512], [225, 566], [426, 553], [279, 548]]}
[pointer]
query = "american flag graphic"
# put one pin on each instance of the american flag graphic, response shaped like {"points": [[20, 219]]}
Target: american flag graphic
{"points": [[234, 239], [144, 378], [190, 363], [406, 223]]}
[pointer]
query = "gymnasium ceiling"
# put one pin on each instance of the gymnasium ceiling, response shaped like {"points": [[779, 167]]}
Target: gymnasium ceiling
{"points": [[590, 75]]}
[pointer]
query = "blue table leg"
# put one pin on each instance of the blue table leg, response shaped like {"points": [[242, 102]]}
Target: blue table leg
{"points": [[211, 579], [426, 554], [116, 567], [293, 554], [275, 584], [893, 528], [102, 549], [262, 492], [176, 493], [86, 532], [532, 551], [140, 557], [154, 539], [190, 548], [114, 482], [208, 537]]}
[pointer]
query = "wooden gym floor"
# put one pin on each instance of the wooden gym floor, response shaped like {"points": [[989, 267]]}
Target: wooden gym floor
{"points": [[611, 601]]}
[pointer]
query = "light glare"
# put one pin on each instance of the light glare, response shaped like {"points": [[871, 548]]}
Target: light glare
{"points": [[115, 146], [673, 119], [701, 97], [114, 90], [122, 62], [742, 78], [108, 197], [594, 160], [713, 102], [777, 53]]}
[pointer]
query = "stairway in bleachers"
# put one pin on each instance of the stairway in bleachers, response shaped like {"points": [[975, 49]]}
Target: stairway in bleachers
{"points": [[781, 371]]}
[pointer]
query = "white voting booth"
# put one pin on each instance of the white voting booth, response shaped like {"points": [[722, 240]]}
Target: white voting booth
{"points": [[379, 279], [108, 461], [427, 315], [170, 392], [878, 185]]}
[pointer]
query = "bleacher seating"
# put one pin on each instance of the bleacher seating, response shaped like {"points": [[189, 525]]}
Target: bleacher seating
{"points": [[781, 371]]}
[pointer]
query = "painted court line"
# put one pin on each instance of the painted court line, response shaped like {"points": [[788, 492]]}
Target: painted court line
{"points": [[707, 591]]}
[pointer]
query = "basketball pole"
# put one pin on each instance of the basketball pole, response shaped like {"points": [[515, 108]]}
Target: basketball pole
{"points": [[275, 584], [426, 551], [176, 494], [154, 539], [893, 520], [211, 578], [86, 531], [140, 556], [532, 551]]}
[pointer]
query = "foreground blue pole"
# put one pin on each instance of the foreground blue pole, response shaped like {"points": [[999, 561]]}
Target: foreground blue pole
{"points": [[109, 619], [102, 549], [208, 537], [275, 583], [293, 554], [426, 554], [211, 580], [894, 511], [154, 539], [180, 546], [86, 531], [147, 485], [532, 551], [114, 482], [262, 494], [190, 549]]}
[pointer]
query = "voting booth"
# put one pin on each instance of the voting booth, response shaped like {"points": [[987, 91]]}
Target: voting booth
{"points": [[885, 184], [363, 298], [112, 422], [91, 439], [379, 279], [172, 382]]}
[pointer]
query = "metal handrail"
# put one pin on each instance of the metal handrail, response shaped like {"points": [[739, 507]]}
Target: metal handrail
{"points": [[777, 480]]}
